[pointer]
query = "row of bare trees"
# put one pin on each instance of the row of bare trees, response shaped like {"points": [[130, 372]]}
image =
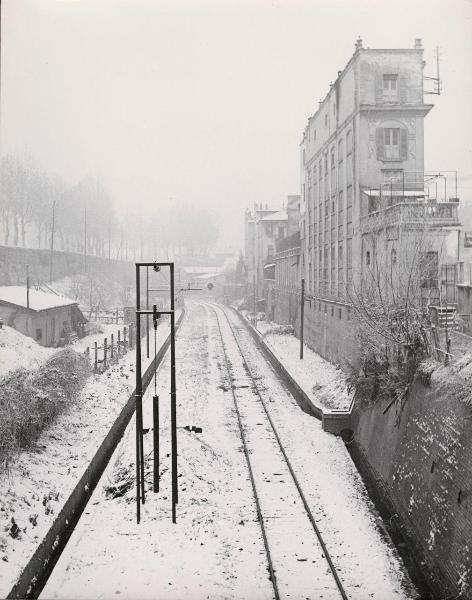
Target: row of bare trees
{"points": [[37, 208]]}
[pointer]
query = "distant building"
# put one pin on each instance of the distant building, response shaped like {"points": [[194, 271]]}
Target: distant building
{"points": [[46, 317], [264, 228], [364, 188]]}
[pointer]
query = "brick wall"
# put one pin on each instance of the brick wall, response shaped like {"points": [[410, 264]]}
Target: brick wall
{"points": [[420, 456]]}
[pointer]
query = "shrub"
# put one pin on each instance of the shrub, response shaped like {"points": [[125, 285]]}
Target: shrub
{"points": [[31, 400]]}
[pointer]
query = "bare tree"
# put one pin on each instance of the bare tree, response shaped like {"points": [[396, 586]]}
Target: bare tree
{"points": [[390, 296]]}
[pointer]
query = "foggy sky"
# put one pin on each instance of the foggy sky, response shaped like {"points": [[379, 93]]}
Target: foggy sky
{"points": [[205, 101]]}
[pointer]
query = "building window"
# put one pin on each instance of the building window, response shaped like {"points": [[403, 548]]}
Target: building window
{"points": [[392, 143], [390, 88], [270, 250], [367, 258], [393, 257], [340, 313], [349, 142]]}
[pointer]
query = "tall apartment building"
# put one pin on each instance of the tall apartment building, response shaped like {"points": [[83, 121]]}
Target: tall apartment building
{"points": [[364, 185]]}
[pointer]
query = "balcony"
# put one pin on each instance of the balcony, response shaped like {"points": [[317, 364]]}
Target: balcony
{"points": [[414, 200], [413, 214]]}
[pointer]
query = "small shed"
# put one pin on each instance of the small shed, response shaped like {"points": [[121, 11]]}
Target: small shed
{"points": [[48, 318]]}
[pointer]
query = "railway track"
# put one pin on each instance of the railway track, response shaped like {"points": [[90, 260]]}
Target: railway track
{"points": [[298, 560]]}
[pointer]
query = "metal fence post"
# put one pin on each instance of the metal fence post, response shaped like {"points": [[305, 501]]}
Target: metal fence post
{"points": [[105, 352], [96, 357], [111, 347]]}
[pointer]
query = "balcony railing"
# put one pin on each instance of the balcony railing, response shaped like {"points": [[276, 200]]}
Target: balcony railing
{"points": [[432, 214]]}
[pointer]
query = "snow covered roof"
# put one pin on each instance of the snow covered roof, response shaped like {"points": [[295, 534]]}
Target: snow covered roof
{"points": [[281, 215], [38, 300]]}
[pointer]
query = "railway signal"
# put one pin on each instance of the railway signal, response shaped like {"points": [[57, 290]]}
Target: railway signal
{"points": [[140, 491]]}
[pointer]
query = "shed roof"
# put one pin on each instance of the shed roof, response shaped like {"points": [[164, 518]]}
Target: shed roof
{"points": [[38, 300]]}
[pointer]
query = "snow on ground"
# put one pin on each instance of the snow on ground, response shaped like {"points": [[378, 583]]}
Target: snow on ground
{"points": [[215, 549], [39, 481], [18, 350], [367, 562], [323, 382]]}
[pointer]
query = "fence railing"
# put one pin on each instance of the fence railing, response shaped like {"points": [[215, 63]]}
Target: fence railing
{"points": [[112, 348], [106, 316]]}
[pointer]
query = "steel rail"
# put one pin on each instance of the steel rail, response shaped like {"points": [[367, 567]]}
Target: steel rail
{"points": [[249, 466], [287, 460]]}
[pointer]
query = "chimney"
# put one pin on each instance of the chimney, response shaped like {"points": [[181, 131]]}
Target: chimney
{"points": [[359, 43], [418, 44]]}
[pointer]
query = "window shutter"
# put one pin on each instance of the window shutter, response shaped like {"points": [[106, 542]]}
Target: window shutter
{"points": [[379, 133], [402, 88], [404, 144], [378, 88]]}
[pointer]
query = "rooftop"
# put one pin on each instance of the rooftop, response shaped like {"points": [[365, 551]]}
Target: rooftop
{"points": [[38, 300], [281, 215]]}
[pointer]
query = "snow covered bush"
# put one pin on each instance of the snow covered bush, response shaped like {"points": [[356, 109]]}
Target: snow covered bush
{"points": [[30, 400]]}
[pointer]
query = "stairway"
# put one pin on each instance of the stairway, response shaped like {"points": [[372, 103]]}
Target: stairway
{"points": [[445, 316]]}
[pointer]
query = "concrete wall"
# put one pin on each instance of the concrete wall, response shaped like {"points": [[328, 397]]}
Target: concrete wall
{"points": [[328, 326], [419, 456]]}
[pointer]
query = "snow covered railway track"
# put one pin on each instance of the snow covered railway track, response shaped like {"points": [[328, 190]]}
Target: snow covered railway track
{"points": [[299, 562]]}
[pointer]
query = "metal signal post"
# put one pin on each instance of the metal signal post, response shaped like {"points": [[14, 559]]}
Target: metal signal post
{"points": [[140, 491]]}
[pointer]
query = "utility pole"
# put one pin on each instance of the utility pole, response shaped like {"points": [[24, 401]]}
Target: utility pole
{"points": [[147, 308], [255, 300], [52, 240], [27, 297], [302, 316], [109, 240], [85, 238]]}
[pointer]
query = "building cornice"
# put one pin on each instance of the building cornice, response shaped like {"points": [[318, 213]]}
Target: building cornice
{"points": [[420, 109]]}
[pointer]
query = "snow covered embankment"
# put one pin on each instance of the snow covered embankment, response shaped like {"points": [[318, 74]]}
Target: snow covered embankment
{"points": [[324, 383], [39, 481]]}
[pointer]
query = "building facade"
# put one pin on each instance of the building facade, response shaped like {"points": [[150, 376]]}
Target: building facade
{"points": [[264, 228], [364, 190]]}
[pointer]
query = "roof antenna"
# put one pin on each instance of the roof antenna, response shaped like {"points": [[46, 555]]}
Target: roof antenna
{"points": [[436, 80]]}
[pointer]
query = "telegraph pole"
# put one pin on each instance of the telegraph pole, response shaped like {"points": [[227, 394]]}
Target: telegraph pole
{"points": [[85, 238], [302, 316], [52, 240]]}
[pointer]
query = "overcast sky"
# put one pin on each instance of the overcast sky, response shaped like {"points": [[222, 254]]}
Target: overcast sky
{"points": [[205, 101]]}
